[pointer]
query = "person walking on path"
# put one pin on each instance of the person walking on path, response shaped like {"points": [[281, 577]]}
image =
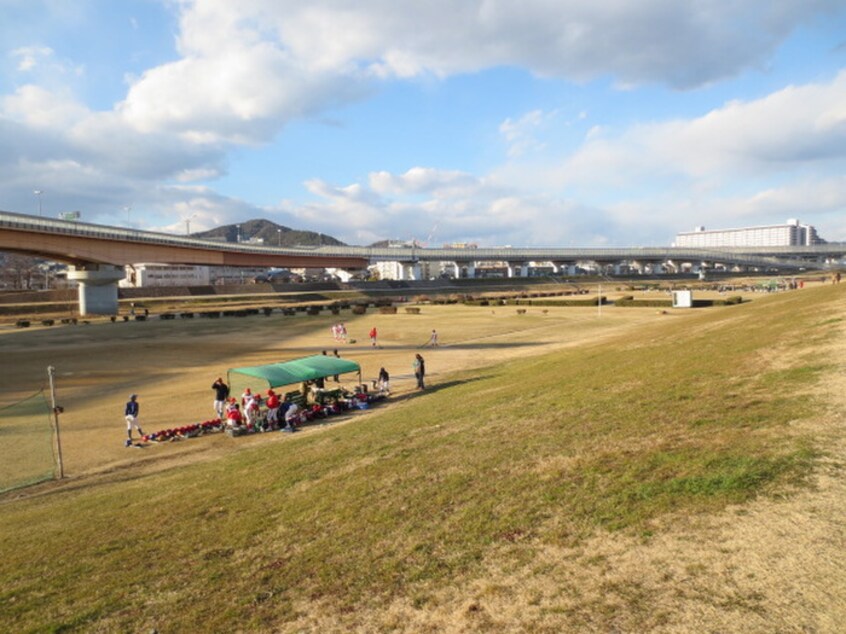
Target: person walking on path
{"points": [[221, 394], [433, 339], [373, 334], [419, 366], [131, 413]]}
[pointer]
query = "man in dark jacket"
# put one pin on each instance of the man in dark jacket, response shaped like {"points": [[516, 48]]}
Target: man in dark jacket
{"points": [[221, 393], [419, 370]]}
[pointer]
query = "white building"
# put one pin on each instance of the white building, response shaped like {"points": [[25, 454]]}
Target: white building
{"points": [[787, 235]]}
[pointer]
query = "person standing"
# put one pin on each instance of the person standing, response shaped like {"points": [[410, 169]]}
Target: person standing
{"points": [[130, 412], [336, 377], [384, 381], [221, 394], [419, 366], [272, 409], [373, 334], [433, 339]]}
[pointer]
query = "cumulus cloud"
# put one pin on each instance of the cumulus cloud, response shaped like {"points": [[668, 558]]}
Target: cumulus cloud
{"points": [[422, 180], [246, 68], [786, 130], [456, 205]]}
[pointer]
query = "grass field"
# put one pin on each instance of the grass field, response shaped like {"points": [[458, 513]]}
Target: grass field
{"points": [[564, 472]]}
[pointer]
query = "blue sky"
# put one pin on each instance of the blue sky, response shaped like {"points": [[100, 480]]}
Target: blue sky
{"points": [[574, 122]]}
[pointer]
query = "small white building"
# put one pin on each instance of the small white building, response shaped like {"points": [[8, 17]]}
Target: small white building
{"points": [[682, 299]]}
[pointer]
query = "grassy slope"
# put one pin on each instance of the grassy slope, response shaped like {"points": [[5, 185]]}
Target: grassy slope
{"points": [[685, 418]]}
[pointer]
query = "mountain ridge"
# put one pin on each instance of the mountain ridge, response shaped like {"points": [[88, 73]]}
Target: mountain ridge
{"points": [[271, 233]]}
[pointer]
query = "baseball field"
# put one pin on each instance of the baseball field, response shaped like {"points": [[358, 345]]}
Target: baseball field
{"points": [[565, 470]]}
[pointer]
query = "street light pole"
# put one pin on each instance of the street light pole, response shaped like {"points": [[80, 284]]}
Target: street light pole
{"points": [[38, 193], [188, 224], [279, 237], [127, 209], [238, 234]]}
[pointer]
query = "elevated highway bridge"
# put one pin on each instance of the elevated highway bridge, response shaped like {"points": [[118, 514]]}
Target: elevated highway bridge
{"points": [[97, 254]]}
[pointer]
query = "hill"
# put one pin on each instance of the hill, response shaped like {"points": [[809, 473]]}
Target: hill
{"points": [[683, 476], [272, 234]]}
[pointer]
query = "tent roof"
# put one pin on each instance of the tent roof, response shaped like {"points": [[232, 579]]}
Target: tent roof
{"points": [[299, 370]]}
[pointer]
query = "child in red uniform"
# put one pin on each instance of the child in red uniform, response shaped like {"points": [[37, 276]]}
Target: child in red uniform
{"points": [[233, 416], [272, 409]]}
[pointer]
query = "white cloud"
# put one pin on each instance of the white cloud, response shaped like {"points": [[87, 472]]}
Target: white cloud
{"points": [[40, 108], [421, 180], [787, 130], [520, 134], [30, 56], [247, 68], [461, 206], [42, 59]]}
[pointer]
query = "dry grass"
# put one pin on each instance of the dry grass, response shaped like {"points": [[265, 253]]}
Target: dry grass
{"points": [[647, 475]]}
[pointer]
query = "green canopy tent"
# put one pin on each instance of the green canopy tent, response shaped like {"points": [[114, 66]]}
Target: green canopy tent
{"points": [[289, 372]]}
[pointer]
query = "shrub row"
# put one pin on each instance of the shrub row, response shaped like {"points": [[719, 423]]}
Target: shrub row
{"points": [[643, 303]]}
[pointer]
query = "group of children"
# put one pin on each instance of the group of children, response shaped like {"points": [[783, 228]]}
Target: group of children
{"points": [[263, 414], [339, 332]]}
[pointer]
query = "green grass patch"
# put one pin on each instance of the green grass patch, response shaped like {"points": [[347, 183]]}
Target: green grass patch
{"points": [[684, 417]]}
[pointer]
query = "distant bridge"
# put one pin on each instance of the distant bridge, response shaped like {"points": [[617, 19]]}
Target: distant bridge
{"points": [[98, 253]]}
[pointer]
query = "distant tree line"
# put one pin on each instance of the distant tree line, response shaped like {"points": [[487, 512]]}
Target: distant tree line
{"points": [[21, 272]]}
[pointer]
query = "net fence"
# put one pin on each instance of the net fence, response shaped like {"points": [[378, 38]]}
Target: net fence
{"points": [[27, 454]]}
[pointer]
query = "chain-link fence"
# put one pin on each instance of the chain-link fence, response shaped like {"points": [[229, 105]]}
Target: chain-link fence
{"points": [[27, 453]]}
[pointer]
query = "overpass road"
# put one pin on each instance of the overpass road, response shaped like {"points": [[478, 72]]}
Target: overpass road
{"points": [[98, 253]]}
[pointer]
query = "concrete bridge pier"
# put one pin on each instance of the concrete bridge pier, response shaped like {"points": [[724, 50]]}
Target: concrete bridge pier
{"points": [[411, 271], [518, 269], [465, 270], [98, 287]]}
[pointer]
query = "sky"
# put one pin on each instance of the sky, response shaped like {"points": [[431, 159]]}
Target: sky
{"points": [[532, 123]]}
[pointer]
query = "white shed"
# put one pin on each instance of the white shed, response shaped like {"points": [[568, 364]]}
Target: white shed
{"points": [[682, 299]]}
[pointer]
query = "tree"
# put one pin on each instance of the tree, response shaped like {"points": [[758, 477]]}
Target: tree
{"points": [[19, 272]]}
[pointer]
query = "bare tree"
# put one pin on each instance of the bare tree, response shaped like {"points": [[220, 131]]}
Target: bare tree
{"points": [[19, 272]]}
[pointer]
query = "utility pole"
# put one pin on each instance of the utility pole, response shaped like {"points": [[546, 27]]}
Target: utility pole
{"points": [[599, 300], [51, 371]]}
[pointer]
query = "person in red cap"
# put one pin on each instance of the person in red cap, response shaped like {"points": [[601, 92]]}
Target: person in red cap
{"points": [[373, 334], [272, 403], [252, 410]]}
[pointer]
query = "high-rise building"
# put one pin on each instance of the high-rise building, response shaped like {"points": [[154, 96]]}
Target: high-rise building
{"points": [[790, 234]]}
